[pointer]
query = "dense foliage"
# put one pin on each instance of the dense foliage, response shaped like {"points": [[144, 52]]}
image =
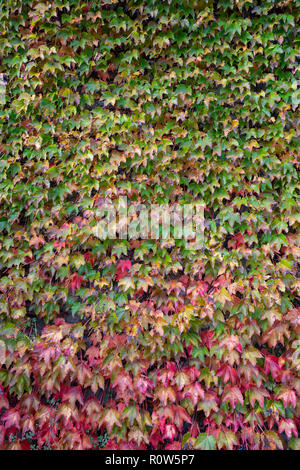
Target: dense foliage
{"points": [[135, 344]]}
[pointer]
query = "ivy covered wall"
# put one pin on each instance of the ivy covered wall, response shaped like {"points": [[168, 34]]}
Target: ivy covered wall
{"points": [[135, 344]]}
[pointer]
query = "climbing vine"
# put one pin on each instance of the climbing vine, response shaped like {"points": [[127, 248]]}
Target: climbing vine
{"points": [[143, 344]]}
